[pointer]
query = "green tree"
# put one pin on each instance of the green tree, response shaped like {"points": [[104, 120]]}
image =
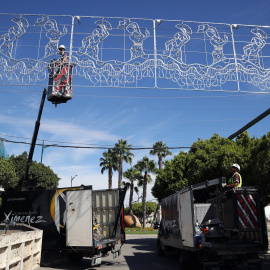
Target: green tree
{"points": [[206, 160], [145, 166], [161, 150], [40, 175], [122, 153], [171, 178], [108, 162], [126, 211], [260, 166], [138, 209], [245, 146], [8, 176], [212, 158], [20, 162], [132, 175]]}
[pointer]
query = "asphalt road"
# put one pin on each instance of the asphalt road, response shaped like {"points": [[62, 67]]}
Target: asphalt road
{"points": [[138, 253]]}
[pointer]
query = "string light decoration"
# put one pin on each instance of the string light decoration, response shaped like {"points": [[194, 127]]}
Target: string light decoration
{"points": [[136, 53]]}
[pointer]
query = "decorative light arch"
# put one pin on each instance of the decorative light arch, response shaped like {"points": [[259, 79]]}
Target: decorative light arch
{"points": [[136, 53]]}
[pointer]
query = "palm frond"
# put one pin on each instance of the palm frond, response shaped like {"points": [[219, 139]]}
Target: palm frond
{"points": [[136, 189]]}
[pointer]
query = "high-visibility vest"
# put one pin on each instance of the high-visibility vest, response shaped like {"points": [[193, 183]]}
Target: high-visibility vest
{"points": [[231, 181]]}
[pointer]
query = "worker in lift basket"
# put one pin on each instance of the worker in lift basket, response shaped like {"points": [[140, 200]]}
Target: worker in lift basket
{"points": [[63, 54], [236, 180]]}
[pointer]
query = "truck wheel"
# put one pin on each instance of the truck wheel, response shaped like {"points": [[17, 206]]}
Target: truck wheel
{"points": [[183, 258], [74, 257], [47, 258], [160, 250]]}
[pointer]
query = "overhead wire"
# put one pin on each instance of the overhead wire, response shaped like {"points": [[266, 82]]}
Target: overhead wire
{"points": [[90, 147], [133, 97]]}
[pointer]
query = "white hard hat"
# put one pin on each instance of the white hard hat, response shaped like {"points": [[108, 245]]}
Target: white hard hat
{"points": [[235, 165], [62, 47]]}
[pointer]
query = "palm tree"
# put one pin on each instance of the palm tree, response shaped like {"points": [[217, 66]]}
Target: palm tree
{"points": [[161, 150], [108, 162], [145, 166], [132, 175], [122, 153]]}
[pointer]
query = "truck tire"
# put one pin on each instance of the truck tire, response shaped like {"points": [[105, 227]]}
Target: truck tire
{"points": [[183, 259], [47, 258], [74, 257], [160, 249]]}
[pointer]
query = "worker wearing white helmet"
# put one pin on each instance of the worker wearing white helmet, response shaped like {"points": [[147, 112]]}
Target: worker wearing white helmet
{"points": [[62, 47], [63, 53], [236, 179]]}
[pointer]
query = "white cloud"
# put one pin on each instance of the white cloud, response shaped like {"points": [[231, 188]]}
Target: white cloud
{"points": [[13, 110], [74, 132], [86, 175], [32, 101]]}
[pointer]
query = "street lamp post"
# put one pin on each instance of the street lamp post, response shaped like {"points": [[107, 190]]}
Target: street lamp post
{"points": [[72, 179]]}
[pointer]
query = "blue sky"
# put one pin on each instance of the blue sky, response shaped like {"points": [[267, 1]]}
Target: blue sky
{"points": [[100, 116]]}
